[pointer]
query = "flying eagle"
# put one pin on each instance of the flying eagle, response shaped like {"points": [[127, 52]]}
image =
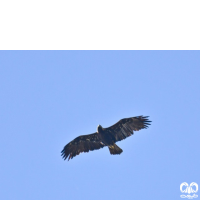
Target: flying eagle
{"points": [[105, 137]]}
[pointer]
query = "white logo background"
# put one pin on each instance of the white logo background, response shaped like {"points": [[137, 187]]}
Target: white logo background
{"points": [[186, 188]]}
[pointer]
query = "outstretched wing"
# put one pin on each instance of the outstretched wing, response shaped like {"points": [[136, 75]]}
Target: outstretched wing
{"points": [[83, 143], [125, 127]]}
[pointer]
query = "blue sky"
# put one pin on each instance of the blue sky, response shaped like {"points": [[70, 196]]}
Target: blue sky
{"points": [[47, 98]]}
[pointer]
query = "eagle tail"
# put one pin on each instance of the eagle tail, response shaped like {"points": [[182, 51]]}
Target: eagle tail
{"points": [[114, 149]]}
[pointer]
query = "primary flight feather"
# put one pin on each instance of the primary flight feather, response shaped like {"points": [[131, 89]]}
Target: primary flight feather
{"points": [[105, 137]]}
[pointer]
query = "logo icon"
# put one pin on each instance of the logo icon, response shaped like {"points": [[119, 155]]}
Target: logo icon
{"points": [[192, 188]]}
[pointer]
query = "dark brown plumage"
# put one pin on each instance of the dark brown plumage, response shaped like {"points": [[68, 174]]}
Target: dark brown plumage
{"points": [[105, 137]]}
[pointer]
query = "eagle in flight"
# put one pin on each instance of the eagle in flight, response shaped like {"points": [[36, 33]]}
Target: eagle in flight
{"points": [[105, 137]]}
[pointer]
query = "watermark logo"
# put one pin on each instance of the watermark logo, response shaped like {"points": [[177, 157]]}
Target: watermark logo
{"points": [[186, 188]]}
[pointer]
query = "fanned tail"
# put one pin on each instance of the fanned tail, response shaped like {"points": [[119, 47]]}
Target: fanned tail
{"points": [[114, 149]]}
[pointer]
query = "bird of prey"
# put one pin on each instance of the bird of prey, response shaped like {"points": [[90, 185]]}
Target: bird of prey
{"points": [[105, 137]]}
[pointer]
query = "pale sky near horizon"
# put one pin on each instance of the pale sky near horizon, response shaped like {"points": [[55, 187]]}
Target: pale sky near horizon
{"points": [[47, 98]]}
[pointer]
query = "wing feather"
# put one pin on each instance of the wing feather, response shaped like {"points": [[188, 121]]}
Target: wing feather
{"points": [[83, 143], [125, 127]]}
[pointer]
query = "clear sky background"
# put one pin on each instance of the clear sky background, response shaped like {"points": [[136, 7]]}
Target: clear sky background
{"points": [[47, 98]]}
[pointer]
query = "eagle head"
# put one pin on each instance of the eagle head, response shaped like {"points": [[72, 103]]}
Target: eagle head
{"points": [[99, 128]]}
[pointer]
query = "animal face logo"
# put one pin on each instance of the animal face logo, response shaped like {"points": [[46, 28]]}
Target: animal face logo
{"points": [[192, 188]]}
